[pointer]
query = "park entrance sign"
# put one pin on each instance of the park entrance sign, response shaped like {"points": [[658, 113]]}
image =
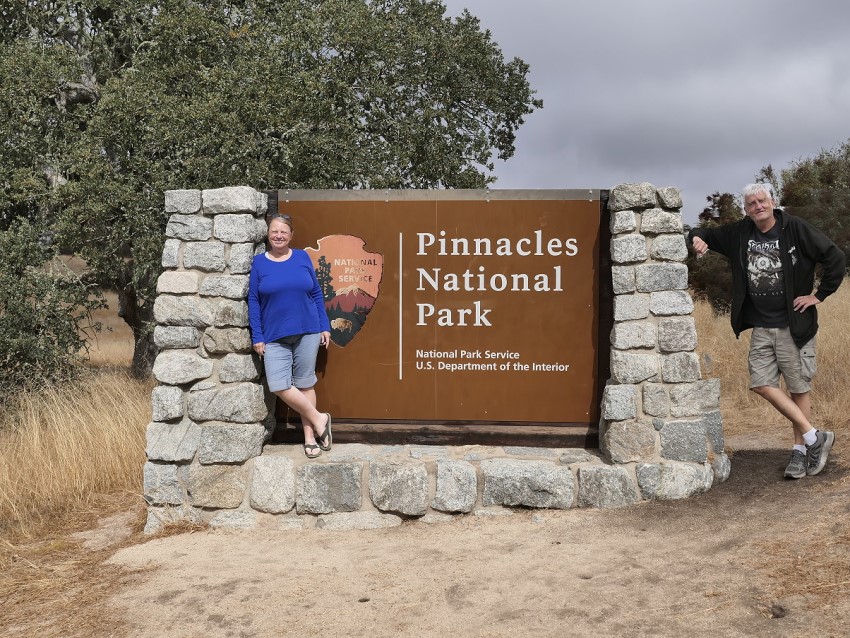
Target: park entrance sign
{"points": [[458, 307]]}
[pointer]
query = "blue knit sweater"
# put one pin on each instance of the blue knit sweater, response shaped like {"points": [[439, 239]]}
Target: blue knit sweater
{"points": [[284, 298]]}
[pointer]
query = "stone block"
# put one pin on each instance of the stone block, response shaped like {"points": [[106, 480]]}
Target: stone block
{"points": [[684, 441], [619, 402], [225, 340], [240, 259], [606, 486], [429, 451], [231, 313], [170, 310], [234, 368], [180, 282], [527, 484], [166, 403], [436, 518], [241, 403], [656, 222], [669, 248], [628, 249], [457, 486], [669, 197], [323, 488], [575, 456], [175, 442], [273, 484], [176, 367], [629, 441], [171, 253], [714, 431], [671, 481], [230, 442], [668, 303], [634, 334], [661, 277], [240, 519], [357, 520], [229, 286], [680, 367], [207, 256], [235, 229], [399, 487], [677, 334], [185, 202], [623, 278], [656, 402], [625, 196], [159, 517], [162, 485], [721, 466], [633, 368], [176, 337], [525, 450], [631, 307], [189, 227], [693, 399], [233, 199], [217, 486], [623, 221]]}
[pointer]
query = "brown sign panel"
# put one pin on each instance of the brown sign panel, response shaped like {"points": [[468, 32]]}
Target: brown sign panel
{"points": [[455, 306]]}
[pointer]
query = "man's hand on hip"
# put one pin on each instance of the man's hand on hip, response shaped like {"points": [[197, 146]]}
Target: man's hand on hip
{"points": [[801, 303]]}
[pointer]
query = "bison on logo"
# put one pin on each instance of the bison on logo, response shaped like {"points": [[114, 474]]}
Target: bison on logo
{"points": [[350, 279]]}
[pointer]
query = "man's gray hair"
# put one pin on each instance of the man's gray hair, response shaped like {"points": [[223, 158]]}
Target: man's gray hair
{"points": [[758, 189]]}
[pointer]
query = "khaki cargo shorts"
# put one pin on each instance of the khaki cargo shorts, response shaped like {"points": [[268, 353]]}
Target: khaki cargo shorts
{"points": [[773, 351]]}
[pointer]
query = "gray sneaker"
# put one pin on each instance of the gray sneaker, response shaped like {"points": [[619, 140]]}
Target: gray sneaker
{"points": [[796, 466], [817, 452]]}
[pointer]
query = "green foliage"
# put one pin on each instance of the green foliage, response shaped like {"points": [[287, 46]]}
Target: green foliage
{"points": [[45, 311], [709, 276], [35, 133], [818, 190], [287, 94]]}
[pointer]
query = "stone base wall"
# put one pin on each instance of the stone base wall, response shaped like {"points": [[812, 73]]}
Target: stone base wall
{"points": [[661, 432]]}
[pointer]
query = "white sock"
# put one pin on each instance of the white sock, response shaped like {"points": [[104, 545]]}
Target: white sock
{"points": [[810, 437], [800, 448]]}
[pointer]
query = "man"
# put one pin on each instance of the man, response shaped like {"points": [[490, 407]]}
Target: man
{"points": [[773, 257]]}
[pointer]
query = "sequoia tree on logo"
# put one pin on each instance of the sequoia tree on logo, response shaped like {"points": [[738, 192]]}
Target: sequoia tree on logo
{"points": [[350, 279]]}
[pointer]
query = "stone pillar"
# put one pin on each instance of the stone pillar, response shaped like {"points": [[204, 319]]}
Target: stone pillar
{"points": [[658, 415], [209, 411]]}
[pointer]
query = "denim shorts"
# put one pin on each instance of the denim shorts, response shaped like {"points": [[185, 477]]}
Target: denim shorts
{"points": [[773, 351], [291, 361]]}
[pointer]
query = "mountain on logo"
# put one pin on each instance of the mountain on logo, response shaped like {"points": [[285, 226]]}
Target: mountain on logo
{"points": [[351, 299]]}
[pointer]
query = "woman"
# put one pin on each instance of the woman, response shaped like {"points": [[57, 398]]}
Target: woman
{"points": [[288, 324]]}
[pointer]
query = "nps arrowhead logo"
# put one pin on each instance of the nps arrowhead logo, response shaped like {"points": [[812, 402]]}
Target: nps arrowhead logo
{"points": [[350, 279]]}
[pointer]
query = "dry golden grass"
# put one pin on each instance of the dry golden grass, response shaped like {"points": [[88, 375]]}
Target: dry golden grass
{"points": [[113, 346], [50, 588], [724, 357], [67, 443]]}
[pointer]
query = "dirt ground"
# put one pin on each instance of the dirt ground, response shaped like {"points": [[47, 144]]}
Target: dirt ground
{"points": [[757, 556]]}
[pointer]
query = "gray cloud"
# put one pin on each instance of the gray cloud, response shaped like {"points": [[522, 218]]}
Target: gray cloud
{"points": [[698, 95]]}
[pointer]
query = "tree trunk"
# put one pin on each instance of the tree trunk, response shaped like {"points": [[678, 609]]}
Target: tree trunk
{"points": [[139, 318]]}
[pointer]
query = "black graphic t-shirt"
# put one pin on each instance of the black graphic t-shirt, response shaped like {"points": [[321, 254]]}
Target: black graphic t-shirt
{"points": [[765, 281]]}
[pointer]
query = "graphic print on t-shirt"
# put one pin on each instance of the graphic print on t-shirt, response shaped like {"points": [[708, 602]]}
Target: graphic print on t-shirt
{"points": [[764, 269]]}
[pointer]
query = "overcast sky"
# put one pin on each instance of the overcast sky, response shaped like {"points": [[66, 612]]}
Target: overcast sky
{"points": [[696, 94]]}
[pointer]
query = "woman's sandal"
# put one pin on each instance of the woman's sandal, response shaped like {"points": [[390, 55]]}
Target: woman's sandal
{"points": [[326, 440], [309, 453]]}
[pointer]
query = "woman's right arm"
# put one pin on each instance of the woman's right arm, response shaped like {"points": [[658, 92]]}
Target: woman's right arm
{"points": [[254, 316]]}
